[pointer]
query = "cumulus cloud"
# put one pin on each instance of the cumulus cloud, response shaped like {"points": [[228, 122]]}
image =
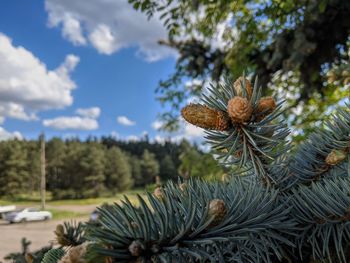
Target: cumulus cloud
{"points": [[27, 86], [71, 123], [192, 131], [157, 125], [108, 26], [123, 120], [93, 112], [6, 135]]}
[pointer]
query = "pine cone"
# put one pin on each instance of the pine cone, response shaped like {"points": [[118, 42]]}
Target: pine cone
{"points": [[158, 192], [237, 85], [135, 248], [266, 105], [239, 109], [335, 157], [205, 117], [218, 210]]}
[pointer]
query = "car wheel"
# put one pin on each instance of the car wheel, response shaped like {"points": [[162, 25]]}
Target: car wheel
{"points": [[23, 220], [46, 218]]}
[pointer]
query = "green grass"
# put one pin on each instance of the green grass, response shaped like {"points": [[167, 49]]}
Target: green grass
{"points": [[62, 214], [34, 200]]}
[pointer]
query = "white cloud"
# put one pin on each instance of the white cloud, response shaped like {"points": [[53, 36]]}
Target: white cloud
{"points": [[133, 138], [108, 26], [123, 120], [27, 86], [192, 131], [6, 135], [103, 40], [157, 125], [16, 111], [71, 30], [93, 112], [71, 123]]}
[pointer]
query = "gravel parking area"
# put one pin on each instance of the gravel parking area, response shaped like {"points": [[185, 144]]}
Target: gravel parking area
{"points": [[39, 233]]}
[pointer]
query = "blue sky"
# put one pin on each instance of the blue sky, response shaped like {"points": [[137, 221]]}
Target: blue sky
{"points": [[78, 68]]}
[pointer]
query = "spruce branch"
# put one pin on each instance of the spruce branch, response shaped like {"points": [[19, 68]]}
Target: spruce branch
{"points": [[326, 152], [216, 222], [323, 213], [256, 136]]}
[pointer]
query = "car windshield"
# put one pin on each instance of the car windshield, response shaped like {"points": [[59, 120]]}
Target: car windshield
{"points": [[18, 210], [32, 210]]}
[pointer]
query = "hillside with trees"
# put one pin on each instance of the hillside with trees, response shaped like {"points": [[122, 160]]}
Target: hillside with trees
{"points": [[97, 166]]}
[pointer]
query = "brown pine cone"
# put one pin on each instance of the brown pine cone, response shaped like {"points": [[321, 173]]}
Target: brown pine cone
{"points": [[335, 157], [237, 85], [217, 209], [239, 109], [266, 105], [205, 117]]}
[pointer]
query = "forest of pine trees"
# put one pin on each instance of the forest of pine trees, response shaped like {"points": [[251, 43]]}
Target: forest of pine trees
{"points": [[97, 166]]}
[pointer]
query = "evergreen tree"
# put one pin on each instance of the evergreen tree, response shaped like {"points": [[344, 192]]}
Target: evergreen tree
{"points": [[92, 165], [55, 156], [149, 168], [135, 165], [33, 162], [281, 204], [167, 169], [117, 171], [14, 176]]}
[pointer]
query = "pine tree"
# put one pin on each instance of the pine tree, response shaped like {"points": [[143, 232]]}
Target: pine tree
{"points": [[117, 171], [281, 204], [55, 154], [92, 164], [149, 168], [167, 169], [14, 176]]}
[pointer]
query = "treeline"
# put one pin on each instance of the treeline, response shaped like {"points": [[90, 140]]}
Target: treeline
{"points": [[98, 166]]}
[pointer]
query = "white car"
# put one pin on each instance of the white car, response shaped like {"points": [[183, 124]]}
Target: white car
{"points": [[27, 214], [6, 209]]}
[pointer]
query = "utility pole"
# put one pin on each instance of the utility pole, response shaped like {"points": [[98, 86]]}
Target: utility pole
{"points": [[42, 169]]}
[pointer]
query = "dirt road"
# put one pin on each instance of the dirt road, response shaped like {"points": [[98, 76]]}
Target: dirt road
{"points": [[39, 233]]}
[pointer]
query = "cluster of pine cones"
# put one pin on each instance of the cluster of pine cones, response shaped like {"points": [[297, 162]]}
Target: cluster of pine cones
{"points": [[239, 109]]}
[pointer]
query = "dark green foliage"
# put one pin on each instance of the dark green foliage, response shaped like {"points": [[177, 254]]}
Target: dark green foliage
{"points": [[167, 169], [92, 166], [266, 37], [149, 168], [14, 176], [117, 171], [82, 169]]}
